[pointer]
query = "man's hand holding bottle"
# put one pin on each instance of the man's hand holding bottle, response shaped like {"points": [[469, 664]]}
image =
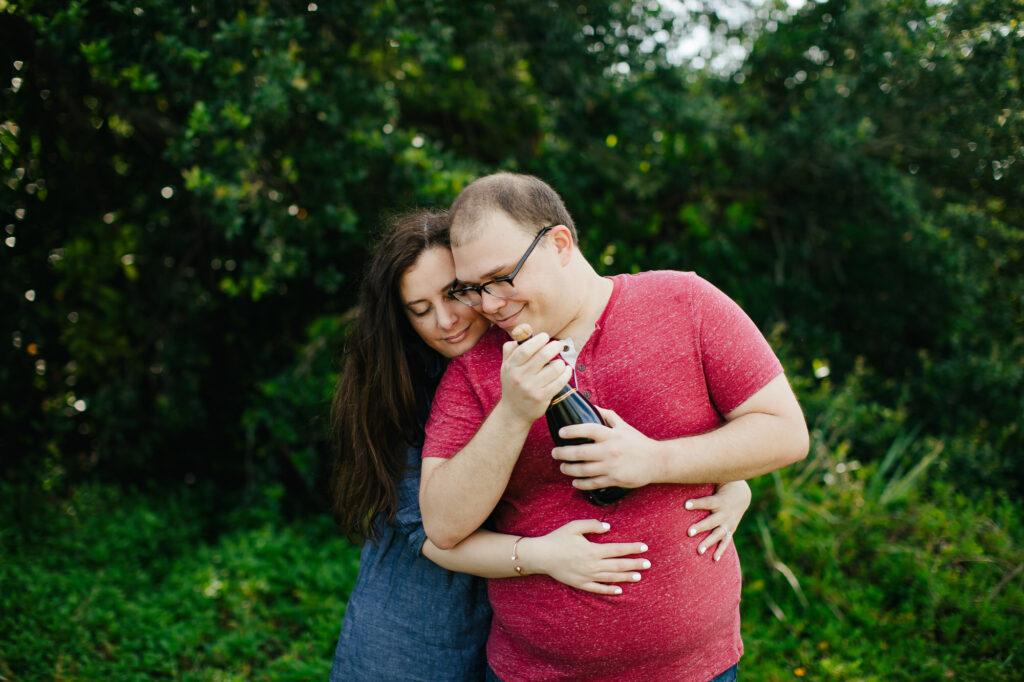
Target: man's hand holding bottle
{"points": [[619, 456]]}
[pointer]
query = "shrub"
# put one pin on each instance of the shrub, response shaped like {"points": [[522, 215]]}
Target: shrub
{"points": [[870, 565], [130, 586]]}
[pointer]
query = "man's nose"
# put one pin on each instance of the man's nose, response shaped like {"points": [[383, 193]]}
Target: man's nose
{"points": [[491, 304]]}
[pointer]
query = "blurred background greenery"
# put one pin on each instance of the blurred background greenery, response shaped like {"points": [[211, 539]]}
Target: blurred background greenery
{"points": [[188, 193]]}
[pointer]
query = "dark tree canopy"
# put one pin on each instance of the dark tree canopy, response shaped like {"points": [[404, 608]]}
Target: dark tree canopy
{"points": [[189, 193]]}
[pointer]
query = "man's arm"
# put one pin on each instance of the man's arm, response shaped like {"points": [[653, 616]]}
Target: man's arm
{"points": [[458, 494], [766, 432]]}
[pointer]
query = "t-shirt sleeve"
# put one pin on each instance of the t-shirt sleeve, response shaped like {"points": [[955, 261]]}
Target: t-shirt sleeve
{"points": [[455, 415], [737, 360]]}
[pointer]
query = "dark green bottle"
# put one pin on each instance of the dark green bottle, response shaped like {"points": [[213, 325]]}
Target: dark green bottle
{"points": [[569, 407]]}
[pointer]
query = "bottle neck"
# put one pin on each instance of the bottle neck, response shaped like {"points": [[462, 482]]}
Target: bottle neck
{"points": [[562, 394]]}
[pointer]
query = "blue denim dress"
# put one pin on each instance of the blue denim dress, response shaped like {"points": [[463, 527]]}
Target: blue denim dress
{"points": [[408, 618]]}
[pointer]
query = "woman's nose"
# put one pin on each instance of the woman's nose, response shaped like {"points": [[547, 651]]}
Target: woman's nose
{"points": [[447, 315]]}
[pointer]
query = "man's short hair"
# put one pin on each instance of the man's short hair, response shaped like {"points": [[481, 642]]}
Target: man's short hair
{"points": [[528, 200]]}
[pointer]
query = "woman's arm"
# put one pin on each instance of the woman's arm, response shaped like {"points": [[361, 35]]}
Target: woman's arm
{"points": [[564, 554], [727, 507]]}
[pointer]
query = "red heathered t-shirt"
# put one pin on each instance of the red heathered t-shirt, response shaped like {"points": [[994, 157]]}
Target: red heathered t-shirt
{"points": [[670, 354]]}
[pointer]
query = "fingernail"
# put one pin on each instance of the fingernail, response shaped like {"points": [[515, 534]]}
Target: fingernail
{"points": [[636, 577], [618, 590], [643, 547], [689, 504], [717, 558], [701, 549], [646, 563], [606, 525], [691, 532]]}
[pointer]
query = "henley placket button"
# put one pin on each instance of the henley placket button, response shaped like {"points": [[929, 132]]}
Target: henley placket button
{"points": [[581, 367], [586, 394]]}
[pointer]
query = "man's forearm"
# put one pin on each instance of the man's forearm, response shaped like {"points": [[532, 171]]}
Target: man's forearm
{"points": [[746, 447], [458, 494], [765, 433]]}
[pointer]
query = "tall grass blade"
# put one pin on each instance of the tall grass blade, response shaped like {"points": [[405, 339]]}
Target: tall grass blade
{"points": [[898, 487], [879, 481], [773, 560]]}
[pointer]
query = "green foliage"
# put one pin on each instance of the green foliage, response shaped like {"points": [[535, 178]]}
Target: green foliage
{"points": [[868, 567], [880, 133], [129, 586], [851, 572], [188, 190], [287, 423], [969, 382], [191, 189], [925, 587], [189, 193]]}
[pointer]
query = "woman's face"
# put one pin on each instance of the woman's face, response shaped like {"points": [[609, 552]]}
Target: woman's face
{"points": [[449, 327]]}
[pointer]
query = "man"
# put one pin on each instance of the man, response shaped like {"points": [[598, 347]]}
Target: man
{"points": [[695, 396]]}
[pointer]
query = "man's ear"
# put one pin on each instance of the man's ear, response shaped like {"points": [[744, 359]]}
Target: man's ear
{"points": [[561, 238]]}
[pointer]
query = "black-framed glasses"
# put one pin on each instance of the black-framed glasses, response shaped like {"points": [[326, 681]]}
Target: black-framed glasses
{"points": [[500, 287]]}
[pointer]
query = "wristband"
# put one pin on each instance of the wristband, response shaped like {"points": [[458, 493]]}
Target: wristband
{"points": [[515, 556]]}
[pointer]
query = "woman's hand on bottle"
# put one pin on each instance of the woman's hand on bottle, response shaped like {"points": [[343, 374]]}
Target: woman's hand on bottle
{"points": [[569, 557], [727, 507]]}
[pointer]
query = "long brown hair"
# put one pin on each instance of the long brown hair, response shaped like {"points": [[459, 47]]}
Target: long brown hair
{"points": [[374, 408]]}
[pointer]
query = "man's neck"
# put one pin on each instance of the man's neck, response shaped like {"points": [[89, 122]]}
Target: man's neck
{"points": [[595, 294]]}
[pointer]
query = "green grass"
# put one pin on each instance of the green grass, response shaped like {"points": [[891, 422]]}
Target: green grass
{"points": [[873, 572]]}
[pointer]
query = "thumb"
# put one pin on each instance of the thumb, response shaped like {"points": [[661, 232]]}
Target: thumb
{"points": [[507, 348], [610, 417]]}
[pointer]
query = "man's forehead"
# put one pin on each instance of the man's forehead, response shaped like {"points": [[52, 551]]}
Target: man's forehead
{"points": [[487, 220], [479, 254], [495, 245]]}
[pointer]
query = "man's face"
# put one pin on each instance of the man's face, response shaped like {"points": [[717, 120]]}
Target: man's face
{"points": [[493, 252]]}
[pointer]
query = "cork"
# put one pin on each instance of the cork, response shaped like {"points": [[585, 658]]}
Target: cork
{"points": [[521, 332]]}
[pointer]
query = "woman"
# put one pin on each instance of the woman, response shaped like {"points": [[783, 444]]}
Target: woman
{"points": [[418, 612]]}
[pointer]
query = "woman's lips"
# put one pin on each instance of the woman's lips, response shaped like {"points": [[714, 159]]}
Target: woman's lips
{"points": [[456, 338]]}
